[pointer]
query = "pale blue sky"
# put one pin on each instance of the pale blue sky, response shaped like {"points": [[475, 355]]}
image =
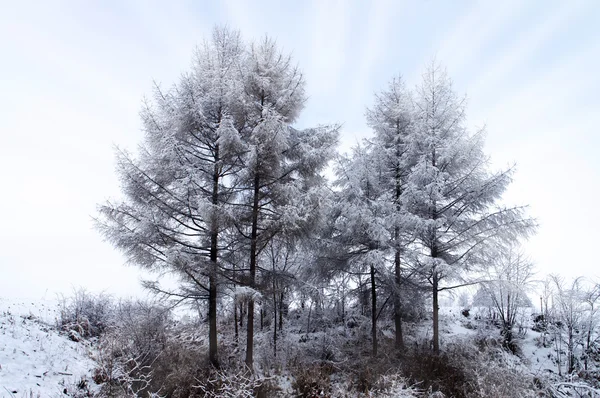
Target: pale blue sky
{"points": [[73, 73]]}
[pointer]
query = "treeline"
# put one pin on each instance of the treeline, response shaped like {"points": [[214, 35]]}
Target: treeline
{"points": [[226, 195], [565, 313]]}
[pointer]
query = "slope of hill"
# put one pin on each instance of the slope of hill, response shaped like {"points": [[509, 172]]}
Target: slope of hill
{"points": [[35, 359]]}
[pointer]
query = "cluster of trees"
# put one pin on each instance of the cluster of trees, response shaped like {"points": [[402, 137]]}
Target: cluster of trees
{"points": [[569, 319], [228, 196], [567, 315], [503, 290]]}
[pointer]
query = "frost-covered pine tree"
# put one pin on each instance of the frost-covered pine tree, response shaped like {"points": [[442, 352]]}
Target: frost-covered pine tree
{"points": [[391, 118], [359, 222], [280, 185], [451, 197], [177, 191]]}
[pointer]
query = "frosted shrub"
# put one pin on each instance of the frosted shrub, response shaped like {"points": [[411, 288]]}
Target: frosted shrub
{"points": [[312, 381], [232, 384], [84, 314], [465, 369]]}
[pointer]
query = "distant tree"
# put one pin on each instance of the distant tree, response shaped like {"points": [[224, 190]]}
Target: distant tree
{"points": [[451, 197], [283, 264], [569, 310], [464, 300], [591, 298], [505, 285]]}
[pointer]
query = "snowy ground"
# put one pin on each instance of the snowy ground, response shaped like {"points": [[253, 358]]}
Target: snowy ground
{"points": [[538, 358], [35, 360]]}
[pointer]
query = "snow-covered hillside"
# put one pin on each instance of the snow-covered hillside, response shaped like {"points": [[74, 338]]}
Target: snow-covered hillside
{"points": [[35, 360], [534, 358]]}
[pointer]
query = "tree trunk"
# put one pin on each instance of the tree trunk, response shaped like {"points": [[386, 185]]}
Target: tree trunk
{"points": [[212, 288], [212, 322], [250, 335], [274, 322], [281, 311], [235, 322], [252, 281], [343, 300], [436, 308], [571, 352], [361, 291], [262, 318], [435, 275], [308, 323], [587, 345], [373, 311], [399, 342]]}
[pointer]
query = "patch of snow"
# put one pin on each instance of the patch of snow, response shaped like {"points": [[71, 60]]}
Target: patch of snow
{"points": [[36, 360]]}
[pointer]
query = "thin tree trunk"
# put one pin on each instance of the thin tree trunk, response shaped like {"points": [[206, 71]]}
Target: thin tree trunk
{"points": [[436, 308], [235, 322], [212, 289], [343, 301], [308, 323], [274, 321], [588, 342], [212, 320], [399, 342], [235, 313], [281, 311], [373, 311], [252, 281], [262, 318], [250, 335], [571, 353], [362, 295], [435, 275]]}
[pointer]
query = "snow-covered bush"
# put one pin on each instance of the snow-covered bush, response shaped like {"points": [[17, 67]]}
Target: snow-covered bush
{"points": [[494, 379], [145, 352], [468, 368], [435, 372], [312, 381], [229, 384], [130, 348], [85, 314]]}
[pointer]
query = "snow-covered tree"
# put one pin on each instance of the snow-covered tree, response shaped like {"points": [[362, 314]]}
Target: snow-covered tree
{"points": [[283, 263], [452, 198], [280, 185], [176, 190], [391, 118], [505, 287], [220, 153], [591, 298], [569, 312], [359, 222]]}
